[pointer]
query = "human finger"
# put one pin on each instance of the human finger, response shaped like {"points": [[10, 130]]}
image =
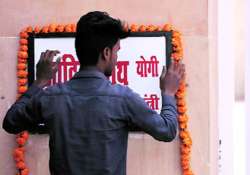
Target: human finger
{"points": [[177, 66], [58, 60], [163, 72], [46, 54], [183, 76], [182, 72], [42, 56], [55, 64], [181, 68], [52, 54], [171, 66]]}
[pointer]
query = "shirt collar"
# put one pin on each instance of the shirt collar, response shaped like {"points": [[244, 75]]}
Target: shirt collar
{"points": [[90, 73]]}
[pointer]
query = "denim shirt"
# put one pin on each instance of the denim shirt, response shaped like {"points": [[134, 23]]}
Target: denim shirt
{"points": [[88, 121]]}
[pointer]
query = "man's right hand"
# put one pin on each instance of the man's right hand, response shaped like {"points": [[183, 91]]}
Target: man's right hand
{"points": [[170, 79]]}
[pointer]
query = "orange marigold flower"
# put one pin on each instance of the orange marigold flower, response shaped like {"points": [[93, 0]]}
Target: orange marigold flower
{"points": [[52, 27], [182, 109], [23, 54], [176, 56], [23, 41], [183, 125], [176, 34], [181, 90], [183, 118], [142, 28], [29, 29], [151, 28], [25, 171], [134, 28], [185, 149], [45, 29], [158, 28], [177, 48], [22, 73], [21, 149], [175, 42], [21, 141], [180, 94], [60, 28], [185, 157], [20, 165], [187, 141], [24, 48], [25, 135], [184, 163], [21, 66], [22, 89], [184, 134], [187, 172], [22, 81], [21, 60], [18, 153], [167, 28], [24, 35], [68, 28], [181, 102], [18, 159], [37, 29], [185, 167]]}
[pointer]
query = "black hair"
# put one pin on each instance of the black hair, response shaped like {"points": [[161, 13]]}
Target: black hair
{"points": [[95, 31]]}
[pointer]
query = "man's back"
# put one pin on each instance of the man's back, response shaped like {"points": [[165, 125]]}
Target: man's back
{"points": [[88, 126]]}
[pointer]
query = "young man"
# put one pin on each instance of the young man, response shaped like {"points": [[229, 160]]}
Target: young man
{"points": [[87, 117]]}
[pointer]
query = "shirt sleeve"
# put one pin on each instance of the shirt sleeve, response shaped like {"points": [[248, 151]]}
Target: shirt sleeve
{"points": [[24, 114], [163, 126]]}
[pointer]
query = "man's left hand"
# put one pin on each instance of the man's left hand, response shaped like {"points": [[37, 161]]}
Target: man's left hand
{"points": [[46, 68]]}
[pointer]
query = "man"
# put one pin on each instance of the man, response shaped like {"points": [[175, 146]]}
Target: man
{"points": [[87, 117]]}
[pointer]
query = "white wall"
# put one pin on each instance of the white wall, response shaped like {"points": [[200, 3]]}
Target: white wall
{"points": [[234, 72], [225, 85], [247, 85]]}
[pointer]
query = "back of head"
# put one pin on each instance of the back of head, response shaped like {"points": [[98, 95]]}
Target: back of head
{"points": [[95, 31]]}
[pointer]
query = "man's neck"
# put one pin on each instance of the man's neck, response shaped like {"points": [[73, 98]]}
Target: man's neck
{"points": [[90, 68]]}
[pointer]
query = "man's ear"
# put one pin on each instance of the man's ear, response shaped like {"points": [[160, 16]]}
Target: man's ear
{"points": [[106, 53]]}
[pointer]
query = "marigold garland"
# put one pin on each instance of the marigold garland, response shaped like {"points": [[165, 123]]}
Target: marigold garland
{"points": [[177, 55], [186, 140]]}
